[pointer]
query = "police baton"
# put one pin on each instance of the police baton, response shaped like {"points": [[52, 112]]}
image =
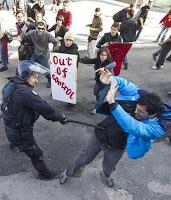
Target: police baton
{"points": [[85, 123]]}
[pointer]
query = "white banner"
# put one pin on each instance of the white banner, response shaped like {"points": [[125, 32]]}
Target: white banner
{"points": [[63, 69]]}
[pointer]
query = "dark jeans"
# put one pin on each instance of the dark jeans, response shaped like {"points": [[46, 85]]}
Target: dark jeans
{"points": [[138, 33], [111, 157], [100, 91], [162, 56], [5, 2]]}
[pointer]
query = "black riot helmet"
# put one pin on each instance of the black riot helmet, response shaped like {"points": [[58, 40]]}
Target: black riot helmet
{"points": [[28, 67]]}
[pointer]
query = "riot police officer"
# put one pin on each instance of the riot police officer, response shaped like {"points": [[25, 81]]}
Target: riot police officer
{"points": [[23, 109]]}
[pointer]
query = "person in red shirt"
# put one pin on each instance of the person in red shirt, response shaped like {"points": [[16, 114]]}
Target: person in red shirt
{"points": [[66, 14], [166, 24]]}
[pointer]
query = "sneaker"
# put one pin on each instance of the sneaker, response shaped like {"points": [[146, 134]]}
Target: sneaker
{"points": [[3, 68], [154, 56], [162, 66], [155, 68], [63, 177], [93, 112], [107, 181], [169, 93], [155, 41]]}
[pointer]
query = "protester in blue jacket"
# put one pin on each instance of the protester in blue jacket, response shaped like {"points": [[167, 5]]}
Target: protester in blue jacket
{"points": [[132, 125]]}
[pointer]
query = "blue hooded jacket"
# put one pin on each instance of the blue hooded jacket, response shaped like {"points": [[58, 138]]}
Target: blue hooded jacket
{"points": [[140, 133]]}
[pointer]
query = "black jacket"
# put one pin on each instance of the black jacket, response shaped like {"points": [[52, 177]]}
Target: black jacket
{"points": [[121, 15], [107, 37], [73, 49], [128, 30], [30, 105], [98, 64], [61, 31]]}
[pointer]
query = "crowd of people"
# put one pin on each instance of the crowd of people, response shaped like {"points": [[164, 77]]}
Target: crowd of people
{"points": [[132, 130]]}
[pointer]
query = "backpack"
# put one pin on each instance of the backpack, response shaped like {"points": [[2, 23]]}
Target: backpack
{"points": [[7, 94], [164, 118]]}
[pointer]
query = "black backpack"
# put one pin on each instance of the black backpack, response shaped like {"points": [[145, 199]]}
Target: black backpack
{"points": [[7, 94], [165, 118]]}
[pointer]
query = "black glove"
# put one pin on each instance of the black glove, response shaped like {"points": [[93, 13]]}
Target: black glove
{"points": [[63, 120]]}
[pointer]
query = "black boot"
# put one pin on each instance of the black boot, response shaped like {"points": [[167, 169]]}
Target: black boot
{"points": [[43, 172]]}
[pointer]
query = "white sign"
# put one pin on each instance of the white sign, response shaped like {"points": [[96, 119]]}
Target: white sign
{"points": [[63, 69]]}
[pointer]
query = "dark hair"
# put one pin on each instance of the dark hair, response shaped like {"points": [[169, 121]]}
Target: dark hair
{"points": [[65, 1], [20, 12], [60, 17], [132, 5], [130, 12], [153, 103], [41, 24], [104, 49], [116, 25], [97, 9]]}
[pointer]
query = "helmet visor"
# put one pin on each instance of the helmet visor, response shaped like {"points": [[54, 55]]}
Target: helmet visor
{"points": [[38, 69], [27, 67]]}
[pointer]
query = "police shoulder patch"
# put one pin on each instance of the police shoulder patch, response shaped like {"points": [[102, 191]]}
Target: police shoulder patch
{"points": [[34, 92]]}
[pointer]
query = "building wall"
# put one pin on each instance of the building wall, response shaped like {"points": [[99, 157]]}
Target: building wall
{"points": [[156, 3]]}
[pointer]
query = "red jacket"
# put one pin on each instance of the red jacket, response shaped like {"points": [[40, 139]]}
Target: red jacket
{"points": [[67, 18], [166, 20]]}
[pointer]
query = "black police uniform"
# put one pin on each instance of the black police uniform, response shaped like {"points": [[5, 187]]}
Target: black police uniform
{"points": [[26, 106]]}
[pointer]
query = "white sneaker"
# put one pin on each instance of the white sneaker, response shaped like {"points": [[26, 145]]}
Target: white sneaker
{"points": [[154, 67], [63, 177]]}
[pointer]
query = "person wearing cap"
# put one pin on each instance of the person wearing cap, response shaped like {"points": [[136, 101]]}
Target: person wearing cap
{"points": [[67, 15], [68, 46], [95, 28], [22, 111], [41, 39]]}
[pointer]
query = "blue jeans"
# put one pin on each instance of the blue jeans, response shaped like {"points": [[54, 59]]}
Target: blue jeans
{"points": [[100, 91], [4, 52], [43, 60], [163, 32]]}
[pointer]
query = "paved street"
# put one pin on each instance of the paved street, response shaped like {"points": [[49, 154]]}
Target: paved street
{"points": [[148, 178]]}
